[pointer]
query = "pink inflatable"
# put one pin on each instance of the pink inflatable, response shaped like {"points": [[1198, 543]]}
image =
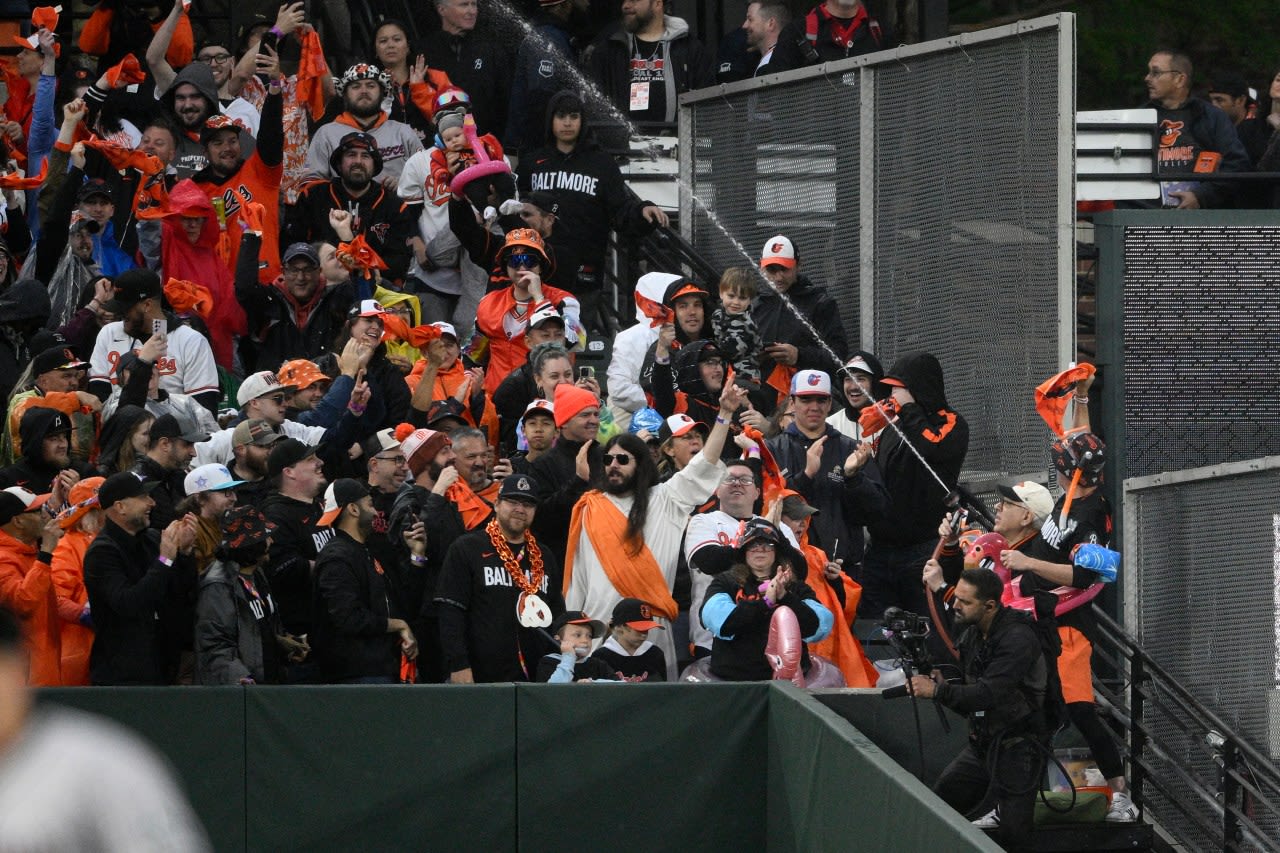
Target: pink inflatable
{"points": [[482, 169]]}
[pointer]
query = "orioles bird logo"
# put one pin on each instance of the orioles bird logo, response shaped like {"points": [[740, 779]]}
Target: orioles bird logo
{"points": [[1169, 133], [776, 248]]}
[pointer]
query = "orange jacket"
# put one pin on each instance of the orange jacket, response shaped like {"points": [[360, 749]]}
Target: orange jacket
{"points": [[27, 589], [840, 646], [497, 322], [68, 587]]}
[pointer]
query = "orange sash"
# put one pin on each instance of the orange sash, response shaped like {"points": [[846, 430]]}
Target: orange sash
{"points": [[472, 507], [840, 647], [633, 576]]}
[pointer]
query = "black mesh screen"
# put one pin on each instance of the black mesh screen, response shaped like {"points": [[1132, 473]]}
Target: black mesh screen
{"points": [[963, 180], [1201, 346], [1206, 612]]}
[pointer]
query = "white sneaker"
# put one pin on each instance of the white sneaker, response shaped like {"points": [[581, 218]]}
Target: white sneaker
{"points": [[990, 820], [1122, 809]]}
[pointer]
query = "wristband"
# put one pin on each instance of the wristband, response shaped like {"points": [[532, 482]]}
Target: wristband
{"points": [[168, 561], [417, 560], [43, 556], [275, 31], [768, 601], [355, 410], [721, 420], [753, 452], [1080, 399]]}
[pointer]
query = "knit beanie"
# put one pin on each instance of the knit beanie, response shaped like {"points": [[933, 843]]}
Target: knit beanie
{"points": [[421, 446], [570, 400], [448, 119]]}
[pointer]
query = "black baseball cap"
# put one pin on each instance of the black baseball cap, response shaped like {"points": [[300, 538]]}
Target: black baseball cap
{"points": [[444, 409], [126, 484], [131, 287], [544, 200], [577, 617], [56, 358], [177, 426], [300, 250], [519, 487], [286, 454], [92, 187]]}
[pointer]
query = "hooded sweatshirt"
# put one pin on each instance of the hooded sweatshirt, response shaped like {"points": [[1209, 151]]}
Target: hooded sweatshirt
{"points": [[189, 158], [940, 435], [626, 397], [200, 263], [845, 418], [24, 309], [685, 64], [32, 471]]}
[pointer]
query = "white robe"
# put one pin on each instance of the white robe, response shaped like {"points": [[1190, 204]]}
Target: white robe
{"points": [[670, 503]]}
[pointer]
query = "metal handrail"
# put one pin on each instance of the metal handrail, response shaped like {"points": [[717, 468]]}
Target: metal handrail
{"points": [[1245, 772]]}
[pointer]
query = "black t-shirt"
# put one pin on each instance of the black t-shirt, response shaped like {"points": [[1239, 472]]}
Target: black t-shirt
{"points": [[1089, 521], [593, 668], [477, 601], [295, 545], [648, 88]]}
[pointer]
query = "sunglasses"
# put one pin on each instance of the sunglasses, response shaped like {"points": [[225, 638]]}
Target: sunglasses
{"points": [[278, 399], [523, 261], [620, 458]]}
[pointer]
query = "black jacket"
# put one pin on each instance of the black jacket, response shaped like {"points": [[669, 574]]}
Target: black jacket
{"points": [[559, 489], [476, 601], [229, 641], [349, 636], [275, 335], [589, 187], [31, 471], [296, 543], [24, 309], [776, 323], [1004, 678], [134, 597], [742, 658], [692, 66], [167, 495], [480, 64], [846, 503], [384, 220], [940, 434], [795, 50]]}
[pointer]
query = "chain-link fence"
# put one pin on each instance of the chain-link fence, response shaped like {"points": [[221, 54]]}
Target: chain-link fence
{"points": [[1203, 590], [929, 189]]}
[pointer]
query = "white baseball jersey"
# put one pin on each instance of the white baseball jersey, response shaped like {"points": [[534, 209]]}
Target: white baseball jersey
{"points": [[187, 369]]}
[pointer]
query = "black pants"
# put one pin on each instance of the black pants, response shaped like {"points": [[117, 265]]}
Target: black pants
{"points": [[891, 577], [966, 786]]}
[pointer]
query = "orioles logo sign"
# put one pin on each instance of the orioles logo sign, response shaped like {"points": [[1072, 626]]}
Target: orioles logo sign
{"points": [[1169, 132]]}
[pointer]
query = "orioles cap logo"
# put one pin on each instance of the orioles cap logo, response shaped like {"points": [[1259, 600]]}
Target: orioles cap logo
{"points": [[775, 248], [813, 379], [645, 611]]}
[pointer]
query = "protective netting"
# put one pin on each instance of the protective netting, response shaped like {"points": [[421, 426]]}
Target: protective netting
{"points": [[1203, 563], [964, 190], [1201, 345]]}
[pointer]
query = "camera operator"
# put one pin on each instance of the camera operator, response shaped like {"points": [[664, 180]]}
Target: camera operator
{"points": [[1002, 695]]}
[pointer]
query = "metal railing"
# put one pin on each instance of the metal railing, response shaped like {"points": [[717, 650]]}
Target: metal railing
{"points": [[1239, 806]]}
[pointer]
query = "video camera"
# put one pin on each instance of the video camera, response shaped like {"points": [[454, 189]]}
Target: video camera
{"points": [[908, 633]]}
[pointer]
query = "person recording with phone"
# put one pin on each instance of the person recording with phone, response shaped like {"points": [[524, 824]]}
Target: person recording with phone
{"points": [[1002, 694]]}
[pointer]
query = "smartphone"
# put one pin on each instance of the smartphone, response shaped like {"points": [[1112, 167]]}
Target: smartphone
{"points": [[586, 372], [157, 327]]}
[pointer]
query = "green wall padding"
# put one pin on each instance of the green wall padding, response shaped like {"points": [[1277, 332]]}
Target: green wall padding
{"points": [[391, 768], [642, 766], [832, 789]]}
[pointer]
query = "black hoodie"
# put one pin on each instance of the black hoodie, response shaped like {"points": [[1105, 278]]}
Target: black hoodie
{"points": [[24, 309], [941, 436], [776, 323], [31, 471], [189, 158], [588, 185]]}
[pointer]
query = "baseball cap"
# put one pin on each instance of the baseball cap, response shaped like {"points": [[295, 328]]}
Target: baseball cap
{"points": [[577, 617], [15, 500], [367, 308], [519, 487], [544, 200], [214, 477], [545, 314], [811, 383], [380, 441], [56, 422], [244, 526], [778, 250], [80, 222], [300, 374], [539, 405], [340, 493], [82, 498], [56, 358], [255, 431], [132, 287], [859, 364], [678, 425], [795, 506], [259, 384], [300, 250], [126, 484], [286, 454], [1033, 496], [634, 613], [92, 187], [177, 426], [446, 329], [441, 410]]}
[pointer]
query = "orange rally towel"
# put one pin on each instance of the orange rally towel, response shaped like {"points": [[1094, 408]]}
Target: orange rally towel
{"points": [[1053, 394], [187, 296], [395, 328], [632, 575], [16, 182], [127, 70], [358, 254], [658, 314], [471, 506], [840, 646], [312, 69]]}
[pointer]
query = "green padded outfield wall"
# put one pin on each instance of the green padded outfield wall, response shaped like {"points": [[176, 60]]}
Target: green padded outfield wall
{"points": [[718, 767]]}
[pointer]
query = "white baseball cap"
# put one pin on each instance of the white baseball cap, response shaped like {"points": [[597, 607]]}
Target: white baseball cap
{"points": [[811, 383], [447, 329], [778, 250], [1033, 496], [544, 406], [213, 477], [259, 384]]}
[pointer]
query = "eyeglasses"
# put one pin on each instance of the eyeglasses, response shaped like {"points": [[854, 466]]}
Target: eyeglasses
{"points": [[216, 59], [620, 458], [739, 481], [394, 460], [1156, 72], [299, 271], [523, 260]]}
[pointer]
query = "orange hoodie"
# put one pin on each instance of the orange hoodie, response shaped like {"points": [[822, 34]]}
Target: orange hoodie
{"points": [[26, 588], [68, 587]]}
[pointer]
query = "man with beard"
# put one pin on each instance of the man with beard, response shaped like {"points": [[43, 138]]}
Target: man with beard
{"points": [[624, 541], [362, 206], [647, 61], [356, 639], [364, 87], [45, 464], [861, 376], [239, 180], [251, 443], [495, 591], [188, 366], [171, 445], [192, 99], [1002, 693], [137, 578]]}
